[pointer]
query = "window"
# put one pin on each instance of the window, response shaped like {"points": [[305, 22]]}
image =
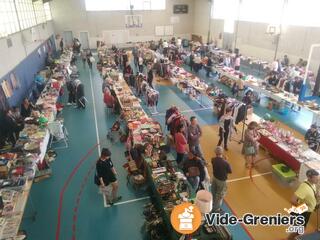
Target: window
{"points": [[39, 11], [47, 11], [302, 13], [8, 18], [112, 5], [228, 26], [26, 14], [265, 11], [225, 9]]}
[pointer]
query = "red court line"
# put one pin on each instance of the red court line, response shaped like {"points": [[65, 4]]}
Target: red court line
{"points": [[75, 169], [251, 178], [77, 205]]}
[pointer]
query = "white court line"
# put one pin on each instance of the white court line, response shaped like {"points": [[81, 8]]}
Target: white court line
{"points": [[94, 112], [186, 111], [248, 177], [124, 202]]}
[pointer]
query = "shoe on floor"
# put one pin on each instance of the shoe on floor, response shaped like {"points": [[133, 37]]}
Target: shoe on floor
{"points": [[109, 203], [69, 104], [117, 199]]}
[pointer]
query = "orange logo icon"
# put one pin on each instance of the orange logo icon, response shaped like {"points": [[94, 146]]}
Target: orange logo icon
{"points": [[186, 218]]}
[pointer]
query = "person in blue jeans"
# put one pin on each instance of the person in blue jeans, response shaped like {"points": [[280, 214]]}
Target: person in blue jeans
{"points": [[193, 168], [194, 134]]}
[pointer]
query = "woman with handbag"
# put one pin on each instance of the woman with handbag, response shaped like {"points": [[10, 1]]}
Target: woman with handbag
{"points": [[193, 168], [251, 145]]}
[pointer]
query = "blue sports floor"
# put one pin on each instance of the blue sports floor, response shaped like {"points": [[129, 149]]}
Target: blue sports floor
{"points": [[82, 212]]}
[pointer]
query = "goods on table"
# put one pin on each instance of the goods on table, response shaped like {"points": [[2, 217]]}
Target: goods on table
{"points": [[18, 169]]}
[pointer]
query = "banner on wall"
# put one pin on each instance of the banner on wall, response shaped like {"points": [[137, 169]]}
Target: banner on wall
{"points": [[3, 101], [15, 83]]}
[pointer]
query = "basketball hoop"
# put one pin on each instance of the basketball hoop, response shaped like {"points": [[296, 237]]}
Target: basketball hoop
{"points": [[273, 30]]}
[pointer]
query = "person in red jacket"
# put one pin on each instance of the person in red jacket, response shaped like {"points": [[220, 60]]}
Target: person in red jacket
{"points": [[181, 144], [108, 99]]}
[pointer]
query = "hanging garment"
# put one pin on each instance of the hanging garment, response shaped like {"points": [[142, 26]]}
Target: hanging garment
{"points": [[241, 114]]}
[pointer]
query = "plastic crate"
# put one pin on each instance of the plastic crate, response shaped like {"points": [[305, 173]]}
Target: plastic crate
{"points": [[284, 176]]}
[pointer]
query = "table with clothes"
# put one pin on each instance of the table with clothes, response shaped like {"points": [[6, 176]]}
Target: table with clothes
{"points": [[285, 89], [221, 102], [168, 183], [284, 146], [19, 166], [187, 82]]}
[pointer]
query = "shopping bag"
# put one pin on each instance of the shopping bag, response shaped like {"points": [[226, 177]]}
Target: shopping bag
{"points": [[250, 150]]}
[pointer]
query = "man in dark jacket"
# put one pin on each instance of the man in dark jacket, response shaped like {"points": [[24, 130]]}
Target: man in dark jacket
{"points": [[12, 127], [312, 137], [209, 66], [221, 170], [191, 61], [61, 45]]}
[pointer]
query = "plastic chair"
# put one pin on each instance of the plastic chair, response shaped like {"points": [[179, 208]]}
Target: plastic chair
{"points": [[58, 134]]}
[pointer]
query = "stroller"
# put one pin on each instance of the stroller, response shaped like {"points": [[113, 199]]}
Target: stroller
{"points": [[115, 133]]}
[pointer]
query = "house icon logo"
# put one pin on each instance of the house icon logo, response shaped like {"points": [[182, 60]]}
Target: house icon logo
{"points": [[186, 218]]}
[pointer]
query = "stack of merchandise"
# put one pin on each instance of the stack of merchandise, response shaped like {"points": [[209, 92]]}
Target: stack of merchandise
{"points": [[168, 183], [154, 225], [187, 82], [283, 138], [18, 166]]}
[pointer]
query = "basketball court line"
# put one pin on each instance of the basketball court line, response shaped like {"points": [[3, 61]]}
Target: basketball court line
{"points": [[248, 177], [124, 202]]}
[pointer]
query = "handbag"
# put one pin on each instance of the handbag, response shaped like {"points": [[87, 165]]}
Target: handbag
{"points": [[250, 150], [193, 171]]}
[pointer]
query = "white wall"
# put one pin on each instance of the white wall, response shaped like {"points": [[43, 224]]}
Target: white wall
{"points": [[253, 41], [71, 15], [22, 46]]}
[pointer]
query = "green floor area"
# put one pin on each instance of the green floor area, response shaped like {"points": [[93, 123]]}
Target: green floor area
{"points": [[298, 120], [83, 215], [90, 220]]}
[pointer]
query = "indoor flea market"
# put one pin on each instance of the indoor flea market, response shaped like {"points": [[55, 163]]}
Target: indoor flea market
{"points": [[159, 119]]}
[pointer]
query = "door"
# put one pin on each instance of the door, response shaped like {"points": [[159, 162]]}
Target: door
{"points": [[84, 40], [68, 38], [227, 40]]}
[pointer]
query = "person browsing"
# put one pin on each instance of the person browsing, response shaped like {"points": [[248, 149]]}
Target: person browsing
{"points": [[221, 170], [306, 194], [107, 176]]}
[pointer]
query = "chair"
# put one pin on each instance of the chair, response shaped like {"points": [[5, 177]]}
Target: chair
{"points": [[134, 177], [58, 134]]}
